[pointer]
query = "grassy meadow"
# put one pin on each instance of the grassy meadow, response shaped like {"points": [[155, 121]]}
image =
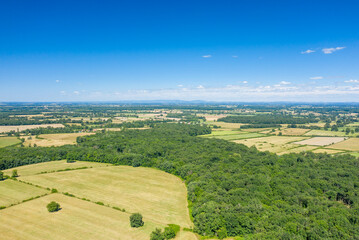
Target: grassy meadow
{"points": [[8, 141]]}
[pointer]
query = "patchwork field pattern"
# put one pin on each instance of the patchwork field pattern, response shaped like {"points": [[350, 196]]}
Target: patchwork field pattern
{"points": [[159, 196], [276, 144]]}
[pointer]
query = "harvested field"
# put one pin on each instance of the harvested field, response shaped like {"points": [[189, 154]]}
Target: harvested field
{"points": [[324, 150], [276, 144], [24, 127], [52, 166], [77, 220], [13, 192], [255, 129], [58, 139], [212, 117], [8, 141], [299, 149], [226, 126], [157, 195], [321, 141], [351, 144]]}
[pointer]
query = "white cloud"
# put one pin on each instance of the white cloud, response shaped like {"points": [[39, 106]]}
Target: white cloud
{"points": [[76, 92], [180, 85], [331, 50], [62, 92], [352, 81], [284, 83], [207, 56], [245, 82], [308, 51], [200, 87], [316, 78], [234, 56], [57, 81]]}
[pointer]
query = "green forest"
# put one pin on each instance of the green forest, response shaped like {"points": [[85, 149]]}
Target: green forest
{"points": [[233, 190]]}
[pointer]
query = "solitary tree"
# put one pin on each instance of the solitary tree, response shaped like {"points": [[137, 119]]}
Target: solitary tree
{"points": [[53, 207], [14, 173], [1, 176], [136, 220]]}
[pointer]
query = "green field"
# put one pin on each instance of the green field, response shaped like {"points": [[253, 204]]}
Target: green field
{"points": [[13, 192], [8, 141], [329, 133]]}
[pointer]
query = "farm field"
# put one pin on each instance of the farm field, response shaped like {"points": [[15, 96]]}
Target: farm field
{"points": [[58, 139], [276, 144], [157, 195], [8, 141], [52, 166], [321, 141], [225, 126], [288, 131], [25, 127], [329, 133], [351, 144], [78, 220], [325, 150], [13, 192]]}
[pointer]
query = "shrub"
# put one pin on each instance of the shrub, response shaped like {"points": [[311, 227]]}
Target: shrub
{"points": [[1, 176], [70, 161], [14, 173], [136, 220], [169, 233], [157, 235], [53, 207], [54, 190]]}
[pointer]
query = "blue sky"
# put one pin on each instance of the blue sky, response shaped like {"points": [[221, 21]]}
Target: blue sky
{"points": [[244, 50]]}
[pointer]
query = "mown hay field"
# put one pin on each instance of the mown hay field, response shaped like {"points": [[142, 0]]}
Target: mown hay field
{"points": [[321, 141], [25, 127], [8, 141], [58, 139], [52, 166], [77, 220], [351, 144], [157, 195], [13, 192]]}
